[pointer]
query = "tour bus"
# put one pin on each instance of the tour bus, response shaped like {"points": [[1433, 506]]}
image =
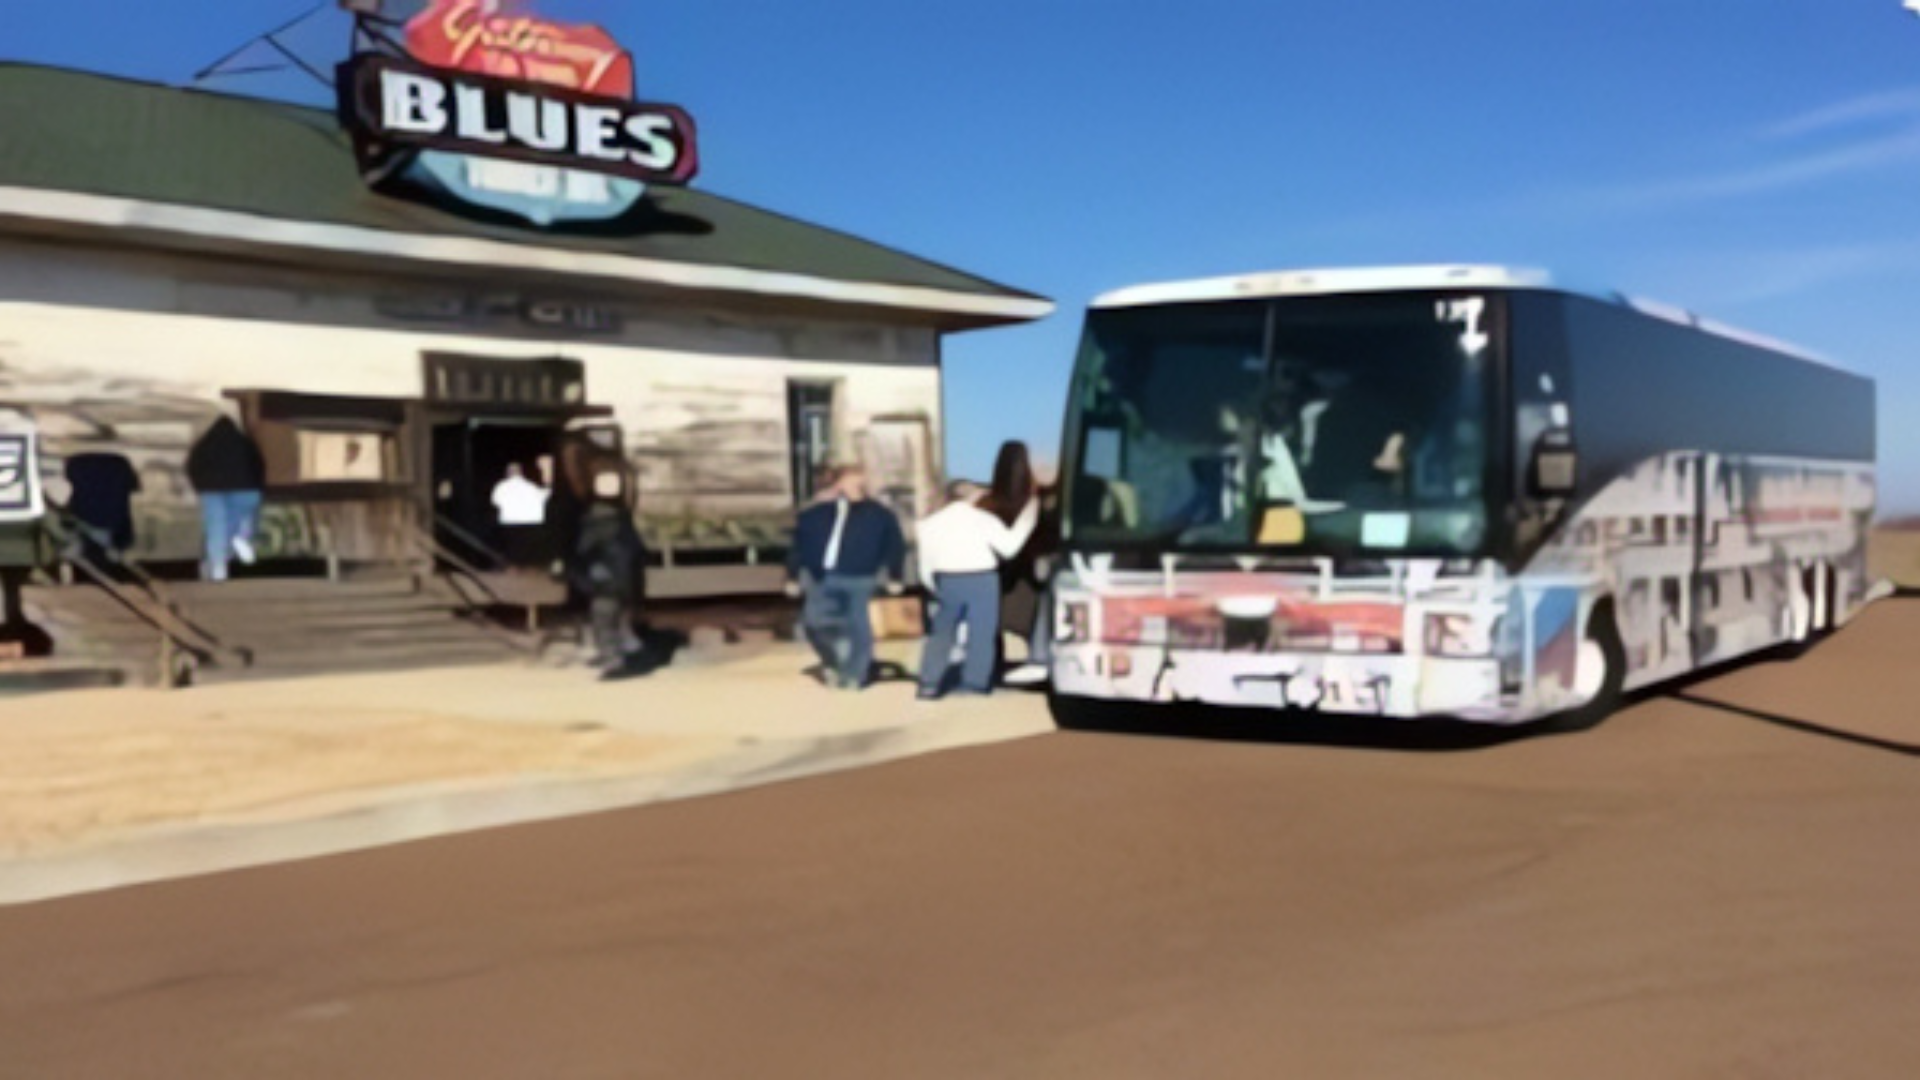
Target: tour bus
{"points": [[1442, 491]]}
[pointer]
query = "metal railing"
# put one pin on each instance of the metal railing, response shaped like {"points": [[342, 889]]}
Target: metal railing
{"points": [[148, 600], [456, 569]]}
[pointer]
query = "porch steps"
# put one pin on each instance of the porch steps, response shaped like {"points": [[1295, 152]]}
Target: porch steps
{"points": [[375, 621]]}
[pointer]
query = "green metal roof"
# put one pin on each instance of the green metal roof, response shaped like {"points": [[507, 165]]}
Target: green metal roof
{"points": [[70, 131]]}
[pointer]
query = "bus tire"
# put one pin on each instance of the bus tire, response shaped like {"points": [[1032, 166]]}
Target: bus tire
{"points": [[1603, 643], [1073, 713]]}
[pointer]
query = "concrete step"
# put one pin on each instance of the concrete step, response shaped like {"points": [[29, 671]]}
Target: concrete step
{"points": [[21, 677], [362, 663]]}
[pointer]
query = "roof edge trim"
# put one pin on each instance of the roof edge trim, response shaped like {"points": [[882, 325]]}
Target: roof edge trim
{"points": [[101, 211]]}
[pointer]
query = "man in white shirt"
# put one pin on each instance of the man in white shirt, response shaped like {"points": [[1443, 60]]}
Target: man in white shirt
{"points": [[522, 506], [960, 550]]}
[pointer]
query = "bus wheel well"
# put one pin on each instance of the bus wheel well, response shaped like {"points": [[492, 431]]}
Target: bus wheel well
{"points": [[1602, 618], [1601, 634]]}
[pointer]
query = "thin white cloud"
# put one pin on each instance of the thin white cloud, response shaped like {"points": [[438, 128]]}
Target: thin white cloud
{"points": [[1773, 168], [1782, 173], [1867, 107], [1742, 278]]}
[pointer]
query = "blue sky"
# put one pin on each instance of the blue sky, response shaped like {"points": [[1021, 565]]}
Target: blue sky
{"points": [[1758, 162]]}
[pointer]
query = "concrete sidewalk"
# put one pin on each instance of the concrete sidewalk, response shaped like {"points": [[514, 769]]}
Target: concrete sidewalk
{"points": [[101, 789]]}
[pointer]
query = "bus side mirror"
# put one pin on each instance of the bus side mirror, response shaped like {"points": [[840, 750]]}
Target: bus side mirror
{"points": [[1553, 469]]}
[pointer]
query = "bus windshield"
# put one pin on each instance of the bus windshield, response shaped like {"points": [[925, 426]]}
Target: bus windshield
{"points": [[1332, 425]]}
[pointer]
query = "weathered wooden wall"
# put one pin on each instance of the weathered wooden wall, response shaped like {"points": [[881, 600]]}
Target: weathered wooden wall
{"points": [[134, 353]]}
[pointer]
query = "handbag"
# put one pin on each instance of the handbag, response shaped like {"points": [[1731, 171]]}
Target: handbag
{"points": [[897, 618]]}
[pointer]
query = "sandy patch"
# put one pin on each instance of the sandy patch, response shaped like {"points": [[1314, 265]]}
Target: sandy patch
{"points": [[64, 783]]}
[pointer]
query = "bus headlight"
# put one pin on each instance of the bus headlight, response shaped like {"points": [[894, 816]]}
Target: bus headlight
{"points": [[1455, 634]]}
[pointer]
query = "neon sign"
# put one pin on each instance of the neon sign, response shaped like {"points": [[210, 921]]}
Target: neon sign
{"points": [[510, 112]]}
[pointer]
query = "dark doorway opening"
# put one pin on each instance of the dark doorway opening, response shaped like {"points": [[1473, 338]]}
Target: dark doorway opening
{"points": [[470, 458]]}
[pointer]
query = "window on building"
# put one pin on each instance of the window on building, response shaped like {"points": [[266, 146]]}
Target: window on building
{"points": [[346, 457], [810, 420]]}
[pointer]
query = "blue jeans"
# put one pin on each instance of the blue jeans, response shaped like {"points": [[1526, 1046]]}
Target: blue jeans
{"points": [[226, 516], [839, 626], [972, 599]]}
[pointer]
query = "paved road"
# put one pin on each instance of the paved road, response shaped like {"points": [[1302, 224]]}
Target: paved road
{"points": [[1688, 890]]}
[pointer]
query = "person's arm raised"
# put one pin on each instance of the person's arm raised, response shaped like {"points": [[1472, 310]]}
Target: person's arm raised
{"points": [[1008, 540]]}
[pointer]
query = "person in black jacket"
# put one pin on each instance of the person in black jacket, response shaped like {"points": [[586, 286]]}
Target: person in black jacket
{"points": [[227, 473], [102, 487], [610, 558]]}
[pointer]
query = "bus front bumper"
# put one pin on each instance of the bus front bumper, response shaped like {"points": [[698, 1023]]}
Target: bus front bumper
{"points": [[1339, 683]]}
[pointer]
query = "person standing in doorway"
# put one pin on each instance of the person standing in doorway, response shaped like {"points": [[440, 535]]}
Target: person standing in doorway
{"points": [[961, 548], [610, 556], [841, 546], [227, 474], [522, 508]]}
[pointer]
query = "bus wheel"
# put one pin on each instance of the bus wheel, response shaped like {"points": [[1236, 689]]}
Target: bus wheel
{"points": [[1600, 673], [1071, 713]]}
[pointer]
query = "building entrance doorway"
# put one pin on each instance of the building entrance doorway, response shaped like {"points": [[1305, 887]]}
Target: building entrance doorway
{"points": [[471, 460], [491, 418]]}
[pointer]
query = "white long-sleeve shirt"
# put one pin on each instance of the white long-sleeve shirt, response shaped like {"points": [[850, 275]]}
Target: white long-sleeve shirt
{"points": [[964, 539]]}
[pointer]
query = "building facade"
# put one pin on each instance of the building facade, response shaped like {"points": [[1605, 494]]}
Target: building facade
{"points": [[168, 256]]}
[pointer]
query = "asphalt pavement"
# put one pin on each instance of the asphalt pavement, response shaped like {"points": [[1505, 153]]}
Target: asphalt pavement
{"points": [[1718, 883]]}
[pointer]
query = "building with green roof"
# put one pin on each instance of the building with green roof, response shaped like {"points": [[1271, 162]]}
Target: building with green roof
{"points": [[170, 255]]}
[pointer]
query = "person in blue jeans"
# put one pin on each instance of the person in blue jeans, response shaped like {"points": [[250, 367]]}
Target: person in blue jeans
{"points": [[961, 549], [227, 474], [842, 544]]}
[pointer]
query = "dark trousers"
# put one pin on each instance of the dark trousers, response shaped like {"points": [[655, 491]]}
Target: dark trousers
{"points": [[611, 619], [839, 626], [525, 545], [972, 600]]}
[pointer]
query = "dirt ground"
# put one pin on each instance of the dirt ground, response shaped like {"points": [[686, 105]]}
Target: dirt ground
{"points": [[85, 767], [1895, 555]]}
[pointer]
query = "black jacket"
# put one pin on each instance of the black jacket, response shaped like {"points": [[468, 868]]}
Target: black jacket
{"points": [[610, 557], [103, 487], [225, 460], [870, 542]]}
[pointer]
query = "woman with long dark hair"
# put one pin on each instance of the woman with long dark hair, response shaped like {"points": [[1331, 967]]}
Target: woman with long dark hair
{"points": [[1013, 492], [1012, 482]]}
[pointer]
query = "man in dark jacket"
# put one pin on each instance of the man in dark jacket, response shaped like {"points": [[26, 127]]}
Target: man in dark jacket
{"points": [[102, 487], [225, 470], [610, 555], [840, 547]]}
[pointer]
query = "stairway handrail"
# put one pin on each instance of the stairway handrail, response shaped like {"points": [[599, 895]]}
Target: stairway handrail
{"points": [[442, 521], [68, 529]]}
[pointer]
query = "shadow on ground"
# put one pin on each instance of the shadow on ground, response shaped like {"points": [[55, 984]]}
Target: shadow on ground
{"points": [[658, 647], [1289, 727]]}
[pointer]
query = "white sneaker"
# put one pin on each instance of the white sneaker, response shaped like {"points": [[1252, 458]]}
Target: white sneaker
{"points": [[243, 549], [1027, 675]]}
